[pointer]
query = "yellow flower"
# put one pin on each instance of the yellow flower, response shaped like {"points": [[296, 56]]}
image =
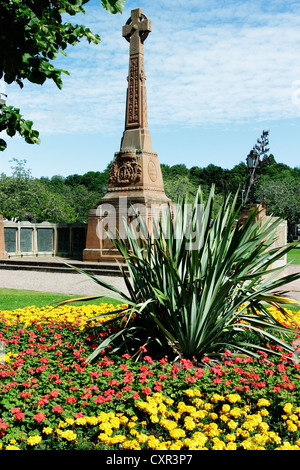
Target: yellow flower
{"points": [[232, 424], [216, 397], [131, 424], [225, 408], [291, 426], [263, 402], [235, 412], [69, 421], [92, 420], [124, 420], [33, 440], [231, 446], [233, 397], [69, 435], [218, 444], [189, 423], [47, 430], [153, 442], [263, 427], [288, 408], [11, 447], [80, 421], [177, 433]]}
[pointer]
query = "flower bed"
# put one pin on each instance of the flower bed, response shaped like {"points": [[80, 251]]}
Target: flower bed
{"points": [[51, 398]]}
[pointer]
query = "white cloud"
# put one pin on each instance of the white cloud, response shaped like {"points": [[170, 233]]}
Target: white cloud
{"points": [[205, 64]]}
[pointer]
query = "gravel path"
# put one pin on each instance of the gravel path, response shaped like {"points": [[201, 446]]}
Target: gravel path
{"points": [[79, 284]]}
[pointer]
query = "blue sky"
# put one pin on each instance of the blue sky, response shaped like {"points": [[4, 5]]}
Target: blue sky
{"points": [[218, 74]]}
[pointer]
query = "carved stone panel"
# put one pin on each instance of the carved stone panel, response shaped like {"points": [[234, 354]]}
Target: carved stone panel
{"points": [[125, 170]]}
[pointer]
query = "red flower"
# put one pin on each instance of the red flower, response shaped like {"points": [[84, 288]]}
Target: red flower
{"points": [[113, 382], [99, 399], [39, 417], [146, 391], [191, 379], [57, 409], [136, 396], [281, 367], [217, 380], [199, 373], [94, 374], [71, 400], [126, 356], [3, 425], [148, 359]]}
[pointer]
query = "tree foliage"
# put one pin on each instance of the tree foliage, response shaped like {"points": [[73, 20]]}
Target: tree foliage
{"points": [[73, 196], [32, 34]]}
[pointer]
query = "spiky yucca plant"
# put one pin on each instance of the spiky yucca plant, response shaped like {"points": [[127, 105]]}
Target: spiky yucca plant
{"points": [[196, 284]]}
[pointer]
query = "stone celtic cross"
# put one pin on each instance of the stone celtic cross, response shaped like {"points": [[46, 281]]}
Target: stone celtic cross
{"points": [[136, 134]]}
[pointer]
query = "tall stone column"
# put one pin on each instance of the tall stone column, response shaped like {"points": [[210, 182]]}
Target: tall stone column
{"points": [[135, 178]]}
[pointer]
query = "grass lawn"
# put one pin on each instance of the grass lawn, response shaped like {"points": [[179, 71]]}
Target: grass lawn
{"points": [[10, 299], [294, 256]]}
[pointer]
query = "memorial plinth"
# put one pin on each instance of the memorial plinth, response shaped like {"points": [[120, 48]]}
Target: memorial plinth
{"points": [[135, 180]]}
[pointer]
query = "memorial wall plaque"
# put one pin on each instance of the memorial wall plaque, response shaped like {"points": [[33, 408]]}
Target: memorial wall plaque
{"points": [[63, 242], [26, 240], [10, 239], [45, 239], [78, 240]]}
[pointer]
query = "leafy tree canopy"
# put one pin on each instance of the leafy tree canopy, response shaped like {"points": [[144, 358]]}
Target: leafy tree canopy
{"points": [[32, 34]]}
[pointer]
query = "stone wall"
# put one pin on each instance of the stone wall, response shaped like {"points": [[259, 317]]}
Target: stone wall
{"points": [[44, 239]]}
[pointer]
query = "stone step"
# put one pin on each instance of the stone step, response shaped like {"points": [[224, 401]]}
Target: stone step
{"points": [[98, 269]]}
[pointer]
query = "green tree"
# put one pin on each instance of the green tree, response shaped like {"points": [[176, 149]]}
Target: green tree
{"points": [[32, 34], [282, 199], [23, 197]]}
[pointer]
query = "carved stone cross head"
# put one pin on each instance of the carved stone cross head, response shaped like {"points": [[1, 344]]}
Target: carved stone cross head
{"points": [[136, 30]]}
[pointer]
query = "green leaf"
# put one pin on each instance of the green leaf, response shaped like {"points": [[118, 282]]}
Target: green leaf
{"points": [[113, 6]]}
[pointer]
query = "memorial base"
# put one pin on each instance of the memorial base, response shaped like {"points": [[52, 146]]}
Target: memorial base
{"points": [[109, 216]]}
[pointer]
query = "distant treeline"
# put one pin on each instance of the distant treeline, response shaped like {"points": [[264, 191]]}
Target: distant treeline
{"points": [[61, 199]]}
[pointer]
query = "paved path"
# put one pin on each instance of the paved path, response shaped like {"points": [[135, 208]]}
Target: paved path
{"points": [[79, 284]]}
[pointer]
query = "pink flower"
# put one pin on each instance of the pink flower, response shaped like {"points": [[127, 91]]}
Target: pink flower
{"points": [[146, 391]]}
